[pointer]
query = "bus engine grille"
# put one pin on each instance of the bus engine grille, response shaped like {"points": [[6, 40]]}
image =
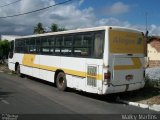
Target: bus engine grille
{"points": [[92, 76]]}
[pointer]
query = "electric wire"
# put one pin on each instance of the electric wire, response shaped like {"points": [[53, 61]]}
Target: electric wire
{"points": [[10, 3], [15, 15]]}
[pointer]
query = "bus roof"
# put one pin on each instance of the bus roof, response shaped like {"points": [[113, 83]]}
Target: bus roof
{"points": [[80, 30]]}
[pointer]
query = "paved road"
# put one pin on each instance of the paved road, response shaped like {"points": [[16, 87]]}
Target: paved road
{"points": [[29, 96]]}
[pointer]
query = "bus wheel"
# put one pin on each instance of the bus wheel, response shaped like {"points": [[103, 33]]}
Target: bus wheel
{"points": [[18, 71], [61, 81]]}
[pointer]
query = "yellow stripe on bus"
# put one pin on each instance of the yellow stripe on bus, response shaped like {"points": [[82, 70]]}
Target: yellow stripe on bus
{"points": [[136, 65], [28, 60]]}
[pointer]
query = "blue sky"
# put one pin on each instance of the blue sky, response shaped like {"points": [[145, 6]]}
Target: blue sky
{"points": [[135, 13], [80, 14]]}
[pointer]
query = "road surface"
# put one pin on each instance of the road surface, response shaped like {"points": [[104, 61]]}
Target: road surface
{"points": [[32, 96]]}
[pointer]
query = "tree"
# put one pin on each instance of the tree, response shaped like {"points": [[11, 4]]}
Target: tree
{"points": [[4, 49], [54, 27], [62, 29], [38, 29]]}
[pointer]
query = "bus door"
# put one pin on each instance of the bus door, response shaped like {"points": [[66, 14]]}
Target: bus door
{"points": [[126, 70]]}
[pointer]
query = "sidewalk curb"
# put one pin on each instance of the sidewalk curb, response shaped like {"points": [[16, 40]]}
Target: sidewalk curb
{"points": [[145, 106]]}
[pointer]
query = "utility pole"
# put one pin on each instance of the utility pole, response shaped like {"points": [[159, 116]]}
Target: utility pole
{"points": [[146, 17], [146, 34]]}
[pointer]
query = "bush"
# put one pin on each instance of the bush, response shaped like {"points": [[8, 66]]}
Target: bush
{"points": [[4, 50], [152, 82]]}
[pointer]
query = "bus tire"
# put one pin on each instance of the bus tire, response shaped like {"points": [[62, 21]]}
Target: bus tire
{"points": [[18, 71], [61, 82]]}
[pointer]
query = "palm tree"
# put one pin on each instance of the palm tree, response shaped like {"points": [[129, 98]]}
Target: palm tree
{"points": [[38, 29], [54, 27], [62, 29]]}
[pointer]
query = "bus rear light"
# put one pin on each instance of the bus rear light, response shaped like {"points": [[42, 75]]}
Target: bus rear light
{"points": [[107, 77]]}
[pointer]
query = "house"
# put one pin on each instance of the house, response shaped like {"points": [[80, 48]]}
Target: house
{"points": [[153, 52]]}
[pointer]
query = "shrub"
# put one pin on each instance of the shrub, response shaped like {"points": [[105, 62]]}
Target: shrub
{"points": [[150, 82]]}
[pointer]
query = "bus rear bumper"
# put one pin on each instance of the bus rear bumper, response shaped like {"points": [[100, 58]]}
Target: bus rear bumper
{"points": [[107, 89]]}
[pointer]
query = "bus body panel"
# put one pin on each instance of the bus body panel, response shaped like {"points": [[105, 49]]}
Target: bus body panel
{"points": [[125, 60]]}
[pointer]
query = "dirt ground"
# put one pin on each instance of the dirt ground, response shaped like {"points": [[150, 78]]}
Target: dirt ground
{"points": [[146, 95]]}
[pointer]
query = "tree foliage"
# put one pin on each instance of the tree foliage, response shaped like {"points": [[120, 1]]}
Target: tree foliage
{"points": [[62, 29], [38, 29], [54, 27], [4, 49]]}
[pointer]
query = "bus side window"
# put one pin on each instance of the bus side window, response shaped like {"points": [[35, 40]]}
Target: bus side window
{"points": [[11, 49], [82, 45], [66, 46], [38, 45], [58, 45], [32, 47], [98, 45]]}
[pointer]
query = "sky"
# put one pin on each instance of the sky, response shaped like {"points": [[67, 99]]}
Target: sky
{"points": [[80, 14]]}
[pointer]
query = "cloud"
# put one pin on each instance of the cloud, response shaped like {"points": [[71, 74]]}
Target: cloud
{"points": [[117, 8], [81, 2], [154, 30], [69, 16], [113, 22]]}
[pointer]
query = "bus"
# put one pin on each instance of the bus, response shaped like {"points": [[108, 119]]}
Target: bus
{"points": [[100, 60]]}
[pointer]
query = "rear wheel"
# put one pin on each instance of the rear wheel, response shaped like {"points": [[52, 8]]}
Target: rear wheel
{"points": [[61, 81]]}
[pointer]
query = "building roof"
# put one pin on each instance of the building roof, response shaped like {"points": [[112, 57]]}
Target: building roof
{"points": [[152, 38]]}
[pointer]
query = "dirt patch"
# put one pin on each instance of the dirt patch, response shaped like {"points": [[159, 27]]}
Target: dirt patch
{"points": [[4, 68], [146, 95]]}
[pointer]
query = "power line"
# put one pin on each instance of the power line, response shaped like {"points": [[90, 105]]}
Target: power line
{"points": [[10, 3], [37, 9]]}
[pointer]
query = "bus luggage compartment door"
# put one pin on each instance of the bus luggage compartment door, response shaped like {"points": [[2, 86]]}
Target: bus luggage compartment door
{"points": [[127, 70]]}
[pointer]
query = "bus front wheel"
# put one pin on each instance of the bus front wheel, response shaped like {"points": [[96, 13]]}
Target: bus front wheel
{"points": [[61, 81], [18, 71]]}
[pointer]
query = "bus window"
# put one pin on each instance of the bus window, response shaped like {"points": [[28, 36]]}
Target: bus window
{"points": [[66, 51], [32, 45], [82, 45], [98, 45], [57, 51], [67, 41], [11, 49], [87, 39], [58, 41], [19, 46], [77, 40]]}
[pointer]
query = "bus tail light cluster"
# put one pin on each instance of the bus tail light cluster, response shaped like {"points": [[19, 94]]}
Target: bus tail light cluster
{"points": [[107, 77]]}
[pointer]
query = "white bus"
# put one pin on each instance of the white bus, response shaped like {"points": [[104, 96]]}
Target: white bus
{"points": [[99, 60]]}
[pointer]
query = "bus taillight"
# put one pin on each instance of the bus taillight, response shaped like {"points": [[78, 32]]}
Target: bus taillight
{"points": [[107, 77]]}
